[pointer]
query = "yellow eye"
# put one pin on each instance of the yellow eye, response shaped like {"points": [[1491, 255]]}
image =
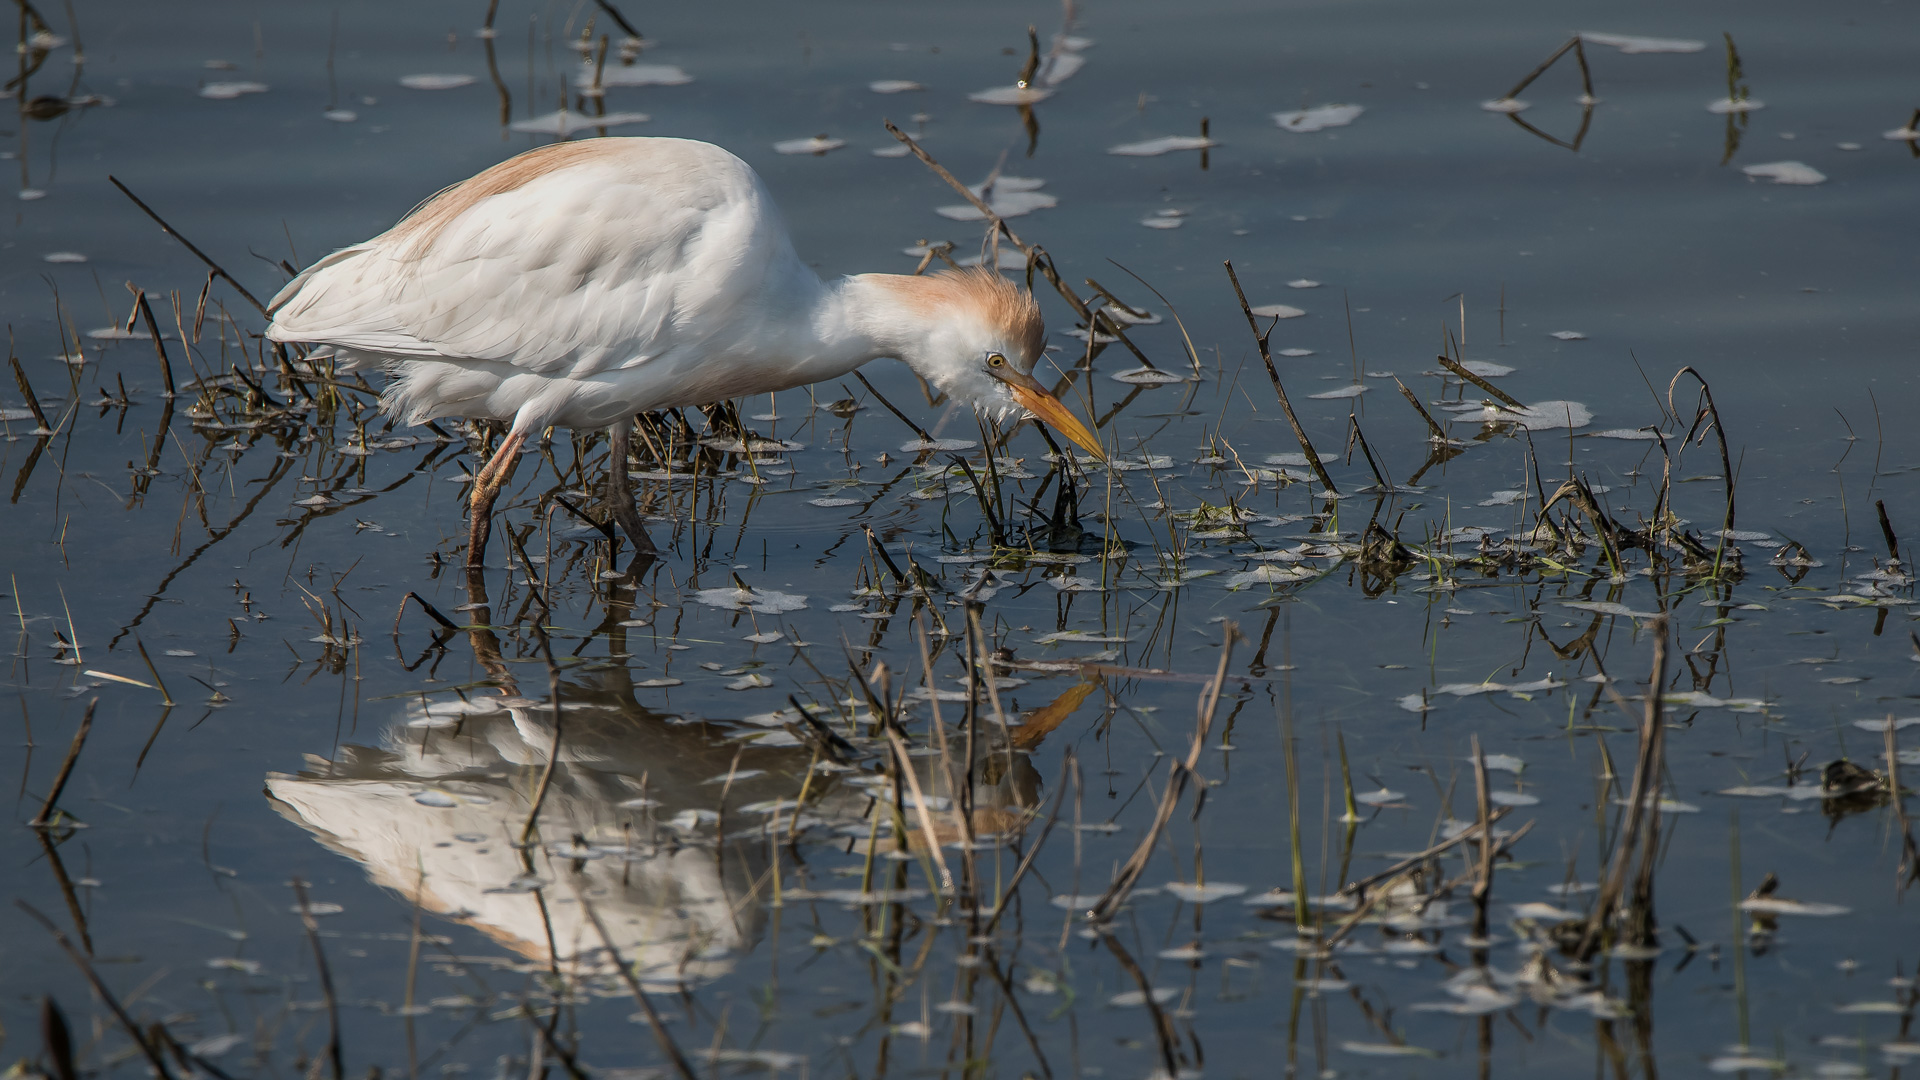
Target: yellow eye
{"points": [[996, 360]]}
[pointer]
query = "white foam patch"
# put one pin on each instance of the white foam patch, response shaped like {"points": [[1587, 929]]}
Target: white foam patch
{"points": [[1786, 172], [816, 145], [566, 122], [1319, 118], [436, 82], [1166, 144], [1628, 43]]}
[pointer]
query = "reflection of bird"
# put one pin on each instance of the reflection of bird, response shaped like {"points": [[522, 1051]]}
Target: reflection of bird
{"points": [[435, 813], [629, 821], [583, 282]]}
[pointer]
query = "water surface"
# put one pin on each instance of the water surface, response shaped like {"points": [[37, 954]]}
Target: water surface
{"points": [[258, 556]]}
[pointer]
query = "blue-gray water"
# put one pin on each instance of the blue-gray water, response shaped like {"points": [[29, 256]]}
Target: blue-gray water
{"points": [[1794, 302]]}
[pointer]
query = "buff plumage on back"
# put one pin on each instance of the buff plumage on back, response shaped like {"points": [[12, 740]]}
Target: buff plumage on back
{"points": [[1003, 305], [567, 261], [423, 225]]}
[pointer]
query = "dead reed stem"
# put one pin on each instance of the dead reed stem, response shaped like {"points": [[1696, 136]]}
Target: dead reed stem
{"points": [[904, 418], [1909, 870], [960, 787], [1362, 884], [1026, 861], [326, 979], [165, 697], [188, 244], [905, 764], [147, 1049], [43, 819], [1434, 430], [26, 391], [1483, 885], [1036, 255], [56, 1040], [1709, 413], [1273, 373], [1163, 1029], [1373, 896], [660, 1032], [1178, 774], [1886, 531], [1580, 53], [1459, 369], [160, 347], [1642, 791], [432, 612]]}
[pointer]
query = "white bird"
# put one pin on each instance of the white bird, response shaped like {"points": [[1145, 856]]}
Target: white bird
{"points": [[583, 282]]}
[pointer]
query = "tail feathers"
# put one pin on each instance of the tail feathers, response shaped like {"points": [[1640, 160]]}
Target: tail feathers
{"points": [[426, 390], [342, 300]]}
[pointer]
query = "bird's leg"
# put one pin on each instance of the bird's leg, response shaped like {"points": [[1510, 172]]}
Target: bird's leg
{"points": [[620, 487], [480, 635], [486, 487]]}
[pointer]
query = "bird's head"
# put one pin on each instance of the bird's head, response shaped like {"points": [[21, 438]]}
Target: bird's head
{"points": [[977, 336]]}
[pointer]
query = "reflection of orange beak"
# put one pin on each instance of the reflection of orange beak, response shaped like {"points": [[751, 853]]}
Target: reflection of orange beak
{"points": [[1035, 399]]}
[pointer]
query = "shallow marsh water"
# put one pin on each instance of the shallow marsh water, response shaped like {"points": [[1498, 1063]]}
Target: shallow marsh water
{"points": [[258, 558]]}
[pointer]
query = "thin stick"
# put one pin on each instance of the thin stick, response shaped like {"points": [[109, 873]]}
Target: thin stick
{"points": [[617, 17], [873, 540], [1411, 861], [1644, 781], [1299, 433], [1370, 899], [1434, 430], [1572, 42], [660, 1033], [41, 820], [1910, 857], [881, 398], [26, 391], [153, 330], [326, 979], [1482, 887], [1886, 530], [165, 697], [553, 757], [1712, 412], [432, 612], [58, 1040], [1059, 796], [1455, 366], [1178, 773], [188, 244], [1036, 256], [119, 1011], [920, 805]]}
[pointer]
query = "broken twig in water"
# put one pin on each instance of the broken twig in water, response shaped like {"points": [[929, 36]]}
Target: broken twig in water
{"points": [[1457, 368], [326, 979], [147, 1048], [1178, 774], [45, 816], [1643, 802], [1299, 433], [660, 1033], [188, 244], [1434, 430], [1580, 54]]}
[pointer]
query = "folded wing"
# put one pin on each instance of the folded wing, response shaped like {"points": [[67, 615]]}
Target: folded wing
{"points": [[568, 261]]}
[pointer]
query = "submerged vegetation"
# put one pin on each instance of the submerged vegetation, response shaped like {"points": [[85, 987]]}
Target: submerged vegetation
{"points": [[924, 745]]}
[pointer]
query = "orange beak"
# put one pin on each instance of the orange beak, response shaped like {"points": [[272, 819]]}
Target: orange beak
{"points": [[1037, 400]]}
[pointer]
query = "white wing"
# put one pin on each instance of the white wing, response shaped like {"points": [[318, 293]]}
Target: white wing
{"points": [[600, 255]]}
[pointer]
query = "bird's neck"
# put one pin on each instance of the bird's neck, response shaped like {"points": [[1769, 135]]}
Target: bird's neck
{"points": [[867, 316]]}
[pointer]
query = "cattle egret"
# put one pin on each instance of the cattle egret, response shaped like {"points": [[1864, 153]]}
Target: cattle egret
{"points": [[583, 282]]}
